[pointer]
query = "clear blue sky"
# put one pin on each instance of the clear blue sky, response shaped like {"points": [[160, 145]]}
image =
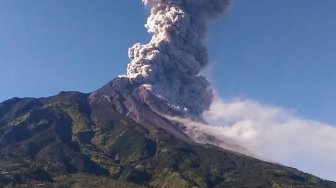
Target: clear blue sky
{"points": [[278, 52]]}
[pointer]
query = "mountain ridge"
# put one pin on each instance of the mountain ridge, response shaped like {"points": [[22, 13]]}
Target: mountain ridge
{"points": [[66, 141]]}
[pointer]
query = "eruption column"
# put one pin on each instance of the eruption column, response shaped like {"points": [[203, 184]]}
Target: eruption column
{"points": [[171, 62]]}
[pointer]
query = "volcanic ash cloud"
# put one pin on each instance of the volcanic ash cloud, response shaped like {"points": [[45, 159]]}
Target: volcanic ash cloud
{"points": [[171, 62]]}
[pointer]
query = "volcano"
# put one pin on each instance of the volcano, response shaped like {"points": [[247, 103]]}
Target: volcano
{"points": [[68, 140], [127, 133]]}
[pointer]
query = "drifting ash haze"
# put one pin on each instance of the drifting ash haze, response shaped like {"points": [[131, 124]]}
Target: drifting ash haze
{"points": [[267, 132]]}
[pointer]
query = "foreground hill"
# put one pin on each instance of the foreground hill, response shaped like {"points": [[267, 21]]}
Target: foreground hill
{"points": [[63, 141]]}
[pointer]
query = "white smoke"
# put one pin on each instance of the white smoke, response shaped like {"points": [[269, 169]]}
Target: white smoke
{"points": [[272, 133], [172, 60]]}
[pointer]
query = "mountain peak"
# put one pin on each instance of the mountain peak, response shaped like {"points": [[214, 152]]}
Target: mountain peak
{"points": [[139, 104]]}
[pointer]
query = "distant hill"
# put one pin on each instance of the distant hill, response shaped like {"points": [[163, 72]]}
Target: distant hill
{"points": [[65, 141]]}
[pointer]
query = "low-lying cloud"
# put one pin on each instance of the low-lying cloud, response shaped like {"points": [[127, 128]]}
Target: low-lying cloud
{"points": [[272, 133]]}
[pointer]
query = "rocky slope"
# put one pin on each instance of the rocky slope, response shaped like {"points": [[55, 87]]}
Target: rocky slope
{"points": [[112, 139]]}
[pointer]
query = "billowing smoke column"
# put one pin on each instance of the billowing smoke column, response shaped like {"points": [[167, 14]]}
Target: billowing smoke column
{"points": [[170, 64]]}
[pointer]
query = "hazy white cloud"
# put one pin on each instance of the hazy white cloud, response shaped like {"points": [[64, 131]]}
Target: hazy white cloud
{"points": [[271, 133]]}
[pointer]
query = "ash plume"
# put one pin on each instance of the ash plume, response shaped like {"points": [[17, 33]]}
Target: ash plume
{"points": [[163, 77], [170, 64]]}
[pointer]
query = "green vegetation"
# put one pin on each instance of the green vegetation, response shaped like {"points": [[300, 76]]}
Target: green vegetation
{"points": [[62, 141]]}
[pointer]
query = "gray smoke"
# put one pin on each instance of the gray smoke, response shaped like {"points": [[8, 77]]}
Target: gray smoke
{"points": [[170, 64]]}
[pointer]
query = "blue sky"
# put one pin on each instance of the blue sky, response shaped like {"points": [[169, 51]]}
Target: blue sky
{"points": [[49, 46], [277, 52], [280, 53]]}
